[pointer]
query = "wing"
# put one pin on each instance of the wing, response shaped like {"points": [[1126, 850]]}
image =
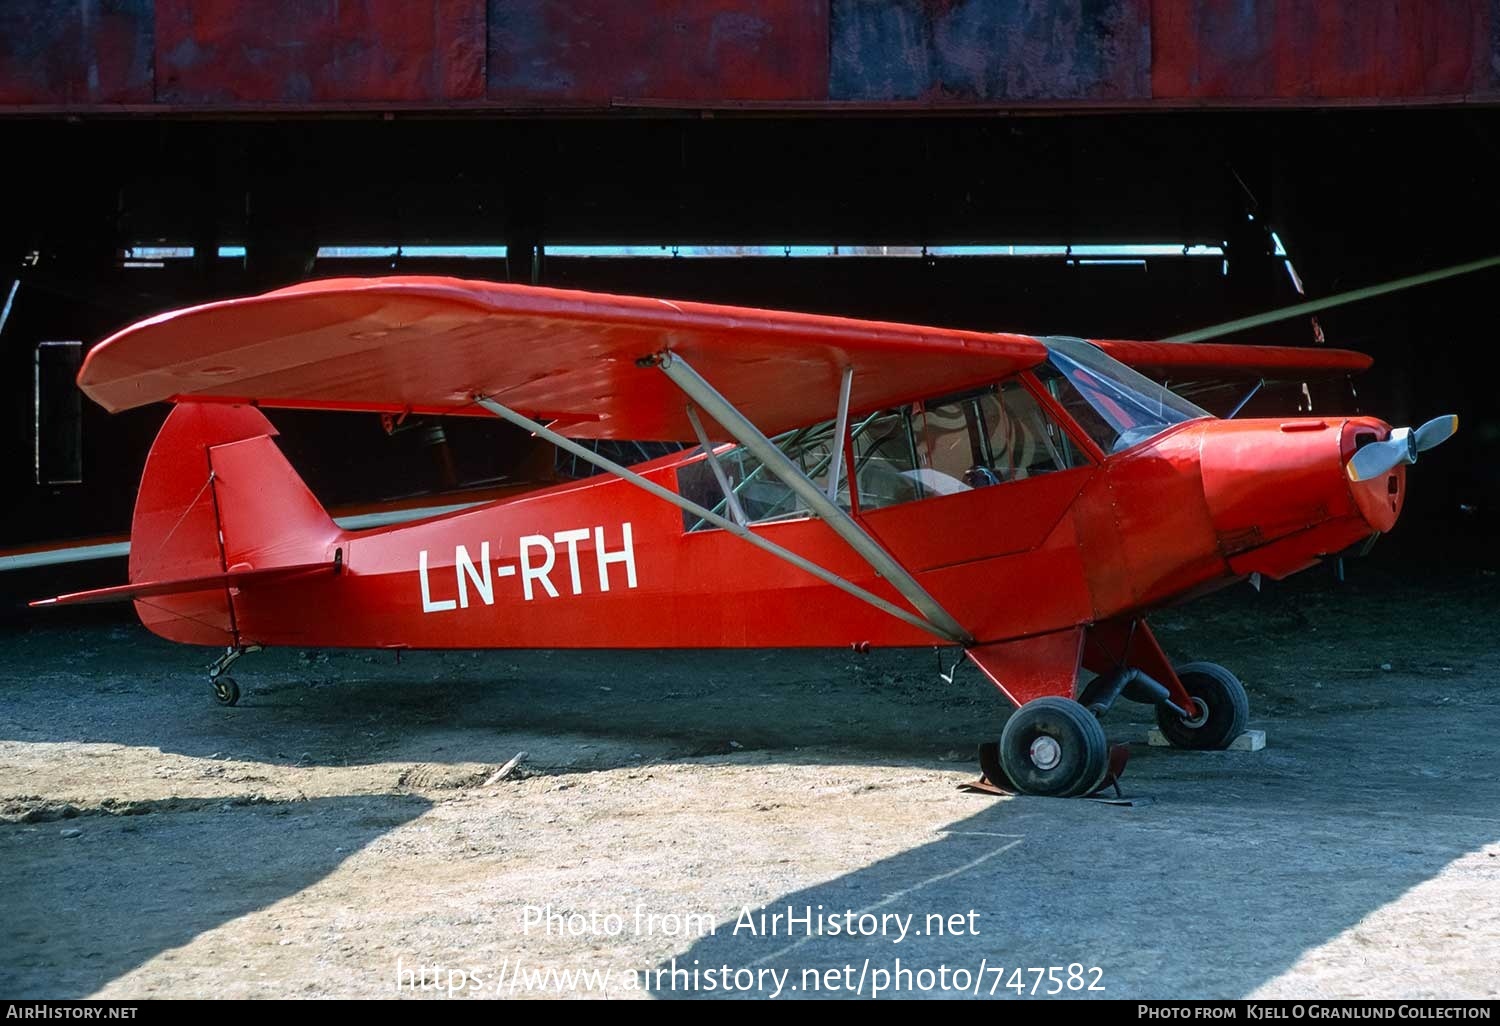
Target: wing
{"points": [[1203, 359], [429, 345]]}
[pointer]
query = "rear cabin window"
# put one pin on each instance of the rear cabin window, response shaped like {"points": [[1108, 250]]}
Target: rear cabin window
{"points": [[761, 494]]}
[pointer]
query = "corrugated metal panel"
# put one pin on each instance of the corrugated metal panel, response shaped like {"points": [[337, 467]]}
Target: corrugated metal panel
{"points": [[232, 55], [1333, 49], [76, 52], [977, 50], [319, 51], [703, 50]]}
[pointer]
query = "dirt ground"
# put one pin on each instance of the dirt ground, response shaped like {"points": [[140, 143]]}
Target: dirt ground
{"points": [[334, 834]]}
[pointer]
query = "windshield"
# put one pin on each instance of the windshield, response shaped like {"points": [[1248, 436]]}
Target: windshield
{"points": [[1115, 405]]}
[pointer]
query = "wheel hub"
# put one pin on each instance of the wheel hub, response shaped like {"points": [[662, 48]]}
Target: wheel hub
{"points": [[1200, 715], [1045, 753]]}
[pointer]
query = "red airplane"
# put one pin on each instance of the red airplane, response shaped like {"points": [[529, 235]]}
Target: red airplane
{"points": [[859, 483]]}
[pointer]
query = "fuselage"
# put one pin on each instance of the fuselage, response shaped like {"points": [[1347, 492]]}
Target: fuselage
{"points": [[599, 563]]}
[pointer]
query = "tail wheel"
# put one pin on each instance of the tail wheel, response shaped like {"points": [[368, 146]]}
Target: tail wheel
{"points": [[226, 691], [1054, 747], [1221, 709]]}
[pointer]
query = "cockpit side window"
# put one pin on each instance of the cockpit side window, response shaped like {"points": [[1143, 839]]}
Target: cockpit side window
{"points": [[997, 436]]}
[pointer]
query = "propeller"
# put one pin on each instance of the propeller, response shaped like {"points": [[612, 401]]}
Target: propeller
{"points": [[1403, 446]]}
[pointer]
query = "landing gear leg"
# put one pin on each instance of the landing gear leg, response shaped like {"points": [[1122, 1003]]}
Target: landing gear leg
{"points": [[226, 691]]}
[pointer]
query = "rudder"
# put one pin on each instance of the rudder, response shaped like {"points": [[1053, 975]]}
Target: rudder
{"points": [[217, 495]]}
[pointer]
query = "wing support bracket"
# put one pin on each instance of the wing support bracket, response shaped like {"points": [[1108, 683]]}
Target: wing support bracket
{"points": [[740, 428], [738, 530]]}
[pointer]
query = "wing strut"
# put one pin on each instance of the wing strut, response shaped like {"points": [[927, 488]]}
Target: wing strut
{"points": [[840, 435], [730, 498], [739, 530], [778, 463]]}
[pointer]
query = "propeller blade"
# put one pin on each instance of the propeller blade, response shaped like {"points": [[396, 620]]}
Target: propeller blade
{"points": [[1379, 458], [1436, 431]]}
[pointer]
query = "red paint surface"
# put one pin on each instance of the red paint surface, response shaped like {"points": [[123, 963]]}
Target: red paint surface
{"points": [[709, 589], [1032, 667], [432, 344], [231, 53], [1176, 357]]}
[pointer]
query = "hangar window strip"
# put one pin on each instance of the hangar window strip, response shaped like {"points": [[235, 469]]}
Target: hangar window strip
{"points": [[1135, 255], [160, 255], [1130, 252], [412, 252]]}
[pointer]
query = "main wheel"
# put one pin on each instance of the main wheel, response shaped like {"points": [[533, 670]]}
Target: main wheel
{"points": [[1220, 708], [226, 691], [1054, 747]]}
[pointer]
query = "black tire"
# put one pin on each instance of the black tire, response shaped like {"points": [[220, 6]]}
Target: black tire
{"points": [[1081, 751], [1222, 716], [226, 691]]}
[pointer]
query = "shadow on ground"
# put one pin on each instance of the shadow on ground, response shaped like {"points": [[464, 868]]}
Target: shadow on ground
{"points": [[70, 929], [115, 683], [1240, 866]]}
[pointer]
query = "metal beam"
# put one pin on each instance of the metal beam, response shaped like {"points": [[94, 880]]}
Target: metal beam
{"points": [[840, 425], [778, 463], [1340, 299], [739, 530], [730, 498]]}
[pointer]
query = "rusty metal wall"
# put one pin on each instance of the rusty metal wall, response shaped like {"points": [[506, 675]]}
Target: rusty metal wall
{"points": [[1224, 49], [1024, 51], [228, 52], [85, 56], [543, 51], [76, 53]]}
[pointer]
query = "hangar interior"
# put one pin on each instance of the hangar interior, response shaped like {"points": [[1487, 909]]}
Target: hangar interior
{"points": [[850, 162]]}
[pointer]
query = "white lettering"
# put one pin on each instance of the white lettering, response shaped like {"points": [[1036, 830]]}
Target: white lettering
{"points": [[571, 540], [479, 574], [429, 606], [531, 573], [626, 555], [463, 567]]}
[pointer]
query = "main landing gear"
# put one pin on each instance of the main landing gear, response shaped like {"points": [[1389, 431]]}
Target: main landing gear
{"points": [[226, 691], [1055, 746], [1220, 709]]}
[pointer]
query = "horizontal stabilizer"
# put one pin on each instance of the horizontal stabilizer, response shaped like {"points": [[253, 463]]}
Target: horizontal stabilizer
{"points": [[146, 589]]}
